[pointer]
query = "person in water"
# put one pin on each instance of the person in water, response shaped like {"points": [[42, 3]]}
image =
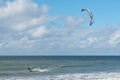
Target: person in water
{"points": [[30, 69]]}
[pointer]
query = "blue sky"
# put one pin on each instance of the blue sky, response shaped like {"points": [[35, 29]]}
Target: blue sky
{"points": [[106, 12], [46, 27]]}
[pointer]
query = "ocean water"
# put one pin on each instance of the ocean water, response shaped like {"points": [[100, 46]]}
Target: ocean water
{"points": [[60, 67]]}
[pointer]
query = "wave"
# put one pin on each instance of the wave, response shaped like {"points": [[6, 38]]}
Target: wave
{"points": [[78, 76], [46, 69], [40, 69]]}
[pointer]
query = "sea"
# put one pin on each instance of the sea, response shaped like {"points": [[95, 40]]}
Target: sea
{"points": [[60, 67]]}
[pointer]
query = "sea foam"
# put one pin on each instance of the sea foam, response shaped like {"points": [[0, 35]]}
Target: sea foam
{"points": [[77, 76]]}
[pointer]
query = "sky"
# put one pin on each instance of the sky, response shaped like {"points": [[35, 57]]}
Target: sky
{"points": [[58, 27]]}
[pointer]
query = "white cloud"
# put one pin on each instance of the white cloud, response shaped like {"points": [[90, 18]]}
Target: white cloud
{"points": [[114, 40], [39, 32], [17, 7], [89, 41], [44, 9], [42, 20], [20, 15], [71, 21], [21, 43]]}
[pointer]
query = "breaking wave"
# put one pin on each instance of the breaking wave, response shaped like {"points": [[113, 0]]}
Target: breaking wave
{"points": [[79, 76]]}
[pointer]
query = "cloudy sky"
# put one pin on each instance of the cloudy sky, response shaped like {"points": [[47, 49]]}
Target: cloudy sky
{"points": [[57, 27]]}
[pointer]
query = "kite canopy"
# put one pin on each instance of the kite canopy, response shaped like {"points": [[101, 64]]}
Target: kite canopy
{"points": [[90, 14]]}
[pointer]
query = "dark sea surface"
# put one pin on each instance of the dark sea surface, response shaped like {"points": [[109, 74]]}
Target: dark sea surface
{"points": [[60, 67]]}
